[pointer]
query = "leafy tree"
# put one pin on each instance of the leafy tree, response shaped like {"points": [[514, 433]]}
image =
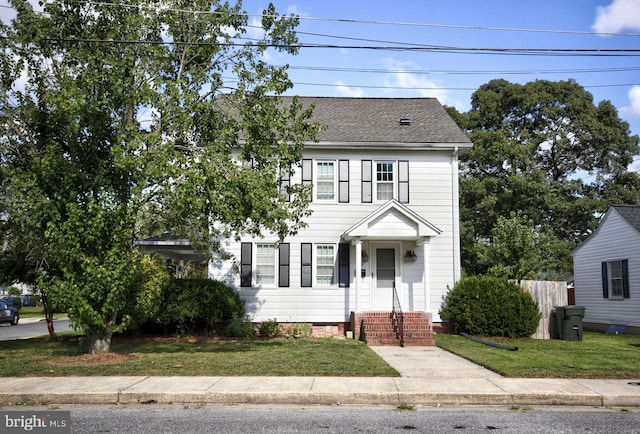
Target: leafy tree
{"points": [[543, 149], [112, 112], [517, 251]]}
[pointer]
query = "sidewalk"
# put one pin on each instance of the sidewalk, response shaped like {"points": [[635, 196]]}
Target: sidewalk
{"points": [[430, 376]]}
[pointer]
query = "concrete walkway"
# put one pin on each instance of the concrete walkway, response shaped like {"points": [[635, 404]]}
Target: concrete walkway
{"points": [[430, 376]]}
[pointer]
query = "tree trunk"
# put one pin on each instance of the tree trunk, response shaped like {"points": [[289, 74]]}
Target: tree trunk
{"points": [[99, 342], [48, 314]]}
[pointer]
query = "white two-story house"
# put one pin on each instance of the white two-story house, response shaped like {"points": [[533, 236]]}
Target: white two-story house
{"points": [[385, 216]]}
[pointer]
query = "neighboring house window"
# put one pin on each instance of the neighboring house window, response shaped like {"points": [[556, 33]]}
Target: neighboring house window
{"points": [[384, 180], [615, 279], [325, 186], [325, 264], [265, 264]]}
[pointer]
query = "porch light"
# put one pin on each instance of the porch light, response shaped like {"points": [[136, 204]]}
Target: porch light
{"points": [[410, 256], [365, 257]]}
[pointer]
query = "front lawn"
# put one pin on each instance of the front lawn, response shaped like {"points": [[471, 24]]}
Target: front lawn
{"points": [[598, 355], [181, 356]]}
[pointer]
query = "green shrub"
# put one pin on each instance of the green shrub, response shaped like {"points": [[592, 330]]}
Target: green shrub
{"points": [[193, 305], [268, 329], [145, 304], [298, 331], [241, 327], [490, 306]]}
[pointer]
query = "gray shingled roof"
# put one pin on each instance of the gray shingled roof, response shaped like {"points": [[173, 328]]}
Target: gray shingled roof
{"points": [[631, 213], [378, 120]]}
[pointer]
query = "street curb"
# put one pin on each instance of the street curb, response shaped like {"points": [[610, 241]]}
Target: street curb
{"points": [[317, 391]]}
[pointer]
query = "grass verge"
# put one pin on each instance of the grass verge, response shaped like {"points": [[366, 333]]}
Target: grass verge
{"points": [[207, 357], [598, 355], [38, 312]]}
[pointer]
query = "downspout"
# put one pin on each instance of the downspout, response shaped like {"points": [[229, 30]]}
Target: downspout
{"points": [[455, 201]]}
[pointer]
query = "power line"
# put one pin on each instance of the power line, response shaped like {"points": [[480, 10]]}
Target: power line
{"points": [[569, 52], [378, 22], [371, 22], [460, 72]]}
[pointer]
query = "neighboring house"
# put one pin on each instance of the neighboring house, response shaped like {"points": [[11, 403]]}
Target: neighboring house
{"points": [[384, 215], [607, 271]]}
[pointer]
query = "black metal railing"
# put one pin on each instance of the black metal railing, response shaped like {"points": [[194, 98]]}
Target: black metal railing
{"points": [[397, 314]]}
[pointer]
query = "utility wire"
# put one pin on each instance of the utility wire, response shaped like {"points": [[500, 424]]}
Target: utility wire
{"points": [[374, 22], [569, 52]]}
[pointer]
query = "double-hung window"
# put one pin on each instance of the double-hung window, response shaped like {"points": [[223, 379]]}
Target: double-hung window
{"points": [[325, 264], [265, 265], [615, 279], [384, 180], [325, 188]]}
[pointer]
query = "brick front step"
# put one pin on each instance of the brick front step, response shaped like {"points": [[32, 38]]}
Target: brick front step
{"points": [[381, 328]]}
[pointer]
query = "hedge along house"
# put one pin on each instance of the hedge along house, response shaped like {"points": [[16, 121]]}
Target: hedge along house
{"points": [[384, 225]]}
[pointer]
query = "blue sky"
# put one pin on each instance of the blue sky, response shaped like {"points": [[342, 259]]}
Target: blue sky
{"points": [[452, 77]]}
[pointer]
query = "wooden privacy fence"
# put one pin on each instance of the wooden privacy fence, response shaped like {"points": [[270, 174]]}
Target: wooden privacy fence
{"points": [[548, 294]]}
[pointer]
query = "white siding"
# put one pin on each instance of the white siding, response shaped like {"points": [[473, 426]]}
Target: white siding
{"points": [[431, 189], [615, 239]]}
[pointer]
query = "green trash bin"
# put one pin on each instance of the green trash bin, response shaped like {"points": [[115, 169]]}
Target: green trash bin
{"points": [[570, 322]]}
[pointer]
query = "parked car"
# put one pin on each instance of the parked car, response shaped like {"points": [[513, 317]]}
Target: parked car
{"points": [[13, 300], [9, 313]]}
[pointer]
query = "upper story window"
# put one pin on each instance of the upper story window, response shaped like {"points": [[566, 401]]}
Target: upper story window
{"points": [[384, 180], [325, 188]]}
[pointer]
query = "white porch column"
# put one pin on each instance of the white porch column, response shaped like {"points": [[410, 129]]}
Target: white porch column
{"points": [[358, 243], [424, 242]]}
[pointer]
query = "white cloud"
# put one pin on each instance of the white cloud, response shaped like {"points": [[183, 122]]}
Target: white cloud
{"points": [[633, 109], [352, 92], [419, 85], [619, 15]]}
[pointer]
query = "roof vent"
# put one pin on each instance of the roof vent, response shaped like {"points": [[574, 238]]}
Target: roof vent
{"points": [[405, 121]]}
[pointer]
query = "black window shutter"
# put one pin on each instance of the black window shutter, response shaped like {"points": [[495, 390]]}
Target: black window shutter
{"points": [[307, 171], [403, 181], [625, 278], [285, 184], [343, 181], [605, 280], [245, 265], [367, 185], [343, 265], [305, 254], [283, 261]]}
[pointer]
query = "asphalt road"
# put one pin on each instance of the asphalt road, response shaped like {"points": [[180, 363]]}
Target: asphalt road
{"points": [[31, 330], [242, 419]]}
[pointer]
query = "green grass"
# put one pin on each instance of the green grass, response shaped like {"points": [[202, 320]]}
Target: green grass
{"points": [[598, 355], [211, 357], [38, 312]]}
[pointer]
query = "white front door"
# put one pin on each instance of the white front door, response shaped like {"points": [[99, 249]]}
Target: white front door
{"points": [[384, 276]]}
